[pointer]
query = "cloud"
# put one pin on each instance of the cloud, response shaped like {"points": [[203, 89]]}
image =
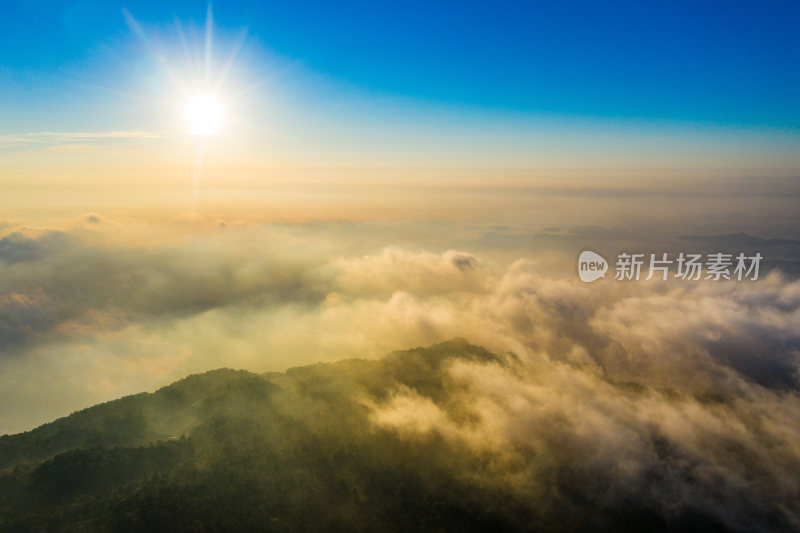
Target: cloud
{"points": [[417, 272], [70, 137], [570, 439], [248, 286], [23, 316], [679, 397], [63, 277], [18, 247]]}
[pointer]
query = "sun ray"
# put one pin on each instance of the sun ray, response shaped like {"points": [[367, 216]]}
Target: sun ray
{"points": [[258, 84], [137, 29], [187, 50], [209, 35], [231, 59]]}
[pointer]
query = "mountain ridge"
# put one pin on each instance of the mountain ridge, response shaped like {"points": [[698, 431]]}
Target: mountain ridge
{"points": [[122, 416], [355, 445]]}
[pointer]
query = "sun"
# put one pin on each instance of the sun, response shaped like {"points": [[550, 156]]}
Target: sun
{"points": [[198, 83], [203, 113]]}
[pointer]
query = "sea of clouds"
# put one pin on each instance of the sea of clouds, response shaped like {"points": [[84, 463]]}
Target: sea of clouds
{"points": [[685, 392]]}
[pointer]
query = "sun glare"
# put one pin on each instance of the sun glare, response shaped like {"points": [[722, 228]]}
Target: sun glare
{"points": [[203, 114]]}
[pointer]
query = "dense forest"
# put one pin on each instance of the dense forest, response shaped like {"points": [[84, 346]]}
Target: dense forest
{"points": [[298, 451]]}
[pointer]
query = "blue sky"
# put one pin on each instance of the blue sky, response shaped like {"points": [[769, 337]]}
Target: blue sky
{"points": [[721, 63]]}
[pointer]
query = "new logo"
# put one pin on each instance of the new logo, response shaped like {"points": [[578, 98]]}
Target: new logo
{"points": [[591, 266]]}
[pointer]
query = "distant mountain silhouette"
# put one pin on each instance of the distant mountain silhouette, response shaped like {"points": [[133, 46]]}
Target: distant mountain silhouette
{"points": [[740, 240]]}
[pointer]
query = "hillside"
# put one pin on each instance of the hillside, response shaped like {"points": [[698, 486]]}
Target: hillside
{"points": [[234, 450], [300, 451]]}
